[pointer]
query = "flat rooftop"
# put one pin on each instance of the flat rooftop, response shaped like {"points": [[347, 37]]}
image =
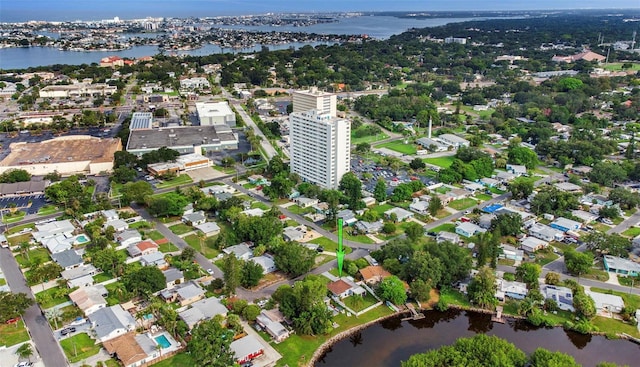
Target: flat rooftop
{"points": [[213, 109], [62, 150], [179, 136], [141, 120]]}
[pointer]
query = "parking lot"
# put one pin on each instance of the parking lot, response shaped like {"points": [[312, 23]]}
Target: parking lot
{"points": [[37, 202]]}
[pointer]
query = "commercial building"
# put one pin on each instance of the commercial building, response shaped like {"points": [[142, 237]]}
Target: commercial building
{"points": [[183, 139], [314, 99], [194, 83], [320, 147], [141, 121], [77, 90], [68, 155], [215, 113], [183, 163], [454, 140]]}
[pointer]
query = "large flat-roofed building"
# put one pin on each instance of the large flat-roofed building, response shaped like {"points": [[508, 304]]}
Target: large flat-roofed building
{"points": [[68, 155], [183, 163], [184, 139], [77, 90], [141, 121], [314, 99], [215, 113], [320, 147]]}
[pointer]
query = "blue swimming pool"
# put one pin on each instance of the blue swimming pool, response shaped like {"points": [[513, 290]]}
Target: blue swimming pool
{"points": [[163, 341], [82, 239]]}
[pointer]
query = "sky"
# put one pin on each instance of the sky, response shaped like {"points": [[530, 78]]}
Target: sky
{"points": [[21, 10]]}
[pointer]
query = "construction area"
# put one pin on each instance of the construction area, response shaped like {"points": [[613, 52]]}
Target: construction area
{"points": [[67, 155]]}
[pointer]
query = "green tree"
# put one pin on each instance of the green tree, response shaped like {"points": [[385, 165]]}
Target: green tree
{"points": [[522, 156], [351, 187], [509, 224], [544, 358], [392, 289], [109, 260], [607, 173], [15, 175], [552, 278], [123, 175], [455, 260], [276, 166], [380, 190], [166, 205], [144, 281], [363, 148], [584, 305], [251, 274], [417, 164], [294, 259], [625, 198], [529, 273], [304, 304], [414, 231], [232, 268], [482, 288], [25, 351], [577, 262], [136, 192], [210, 345], [521, 188], [13, 305], [280, 187], [420, 290], [435, 205], [251, 312]]}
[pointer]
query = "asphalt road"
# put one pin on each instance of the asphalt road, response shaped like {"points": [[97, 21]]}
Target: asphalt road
{"points": [[39, 329], [266, 144]]}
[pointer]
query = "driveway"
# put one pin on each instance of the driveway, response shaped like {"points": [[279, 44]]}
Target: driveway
{"points": [[38, 326]]}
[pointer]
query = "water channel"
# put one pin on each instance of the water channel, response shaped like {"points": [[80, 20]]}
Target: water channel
{"points": [[391, 341]]}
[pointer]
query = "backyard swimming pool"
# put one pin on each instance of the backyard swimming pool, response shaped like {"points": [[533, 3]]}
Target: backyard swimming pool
{"points": [[82, 239], [163, 341]]}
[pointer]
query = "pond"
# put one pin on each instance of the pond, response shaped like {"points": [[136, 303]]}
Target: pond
{"points": [[391, 341]]}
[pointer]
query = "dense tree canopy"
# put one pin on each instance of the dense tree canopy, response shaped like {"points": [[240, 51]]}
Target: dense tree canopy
{"points": [[209, 345]]}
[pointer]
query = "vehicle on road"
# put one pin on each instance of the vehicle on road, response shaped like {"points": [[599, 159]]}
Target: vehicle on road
{"points": [[68, 330], [210, 271], [23, 364]]}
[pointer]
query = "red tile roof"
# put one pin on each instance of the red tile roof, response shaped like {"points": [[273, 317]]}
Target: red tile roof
{"points": [[338, 287]]}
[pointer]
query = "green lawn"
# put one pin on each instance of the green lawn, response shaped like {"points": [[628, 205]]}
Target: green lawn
{"points": [[462, 204], [298, 349], [632, 232], [47, 209], [168, 247], [180, 180], [617, 66], [260, 205], [206, 249], [13, 217], [380, 209], [613, 326], [484, 197], [11, 334], [444, 162], [447, 227], [295, 209], [181, 228], [155, 235], [179, 360], [359, 238], [329, 245], [453, 297], [358, 303], [368, 139], [140, 224], [52, 296], [399, 146], [545, 257], [38, 254], [102, 277], [79, 347], [19, 228]]}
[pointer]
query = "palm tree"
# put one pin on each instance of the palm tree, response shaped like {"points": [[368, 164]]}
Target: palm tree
{"points": [[25, 351], [24, 249], [54, 313]]}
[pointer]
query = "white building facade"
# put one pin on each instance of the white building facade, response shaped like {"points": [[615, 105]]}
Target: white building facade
{"points": [[320, 147], [314, 99]]}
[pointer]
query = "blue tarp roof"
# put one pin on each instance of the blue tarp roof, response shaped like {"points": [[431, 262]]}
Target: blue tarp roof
{"points": [[491, 208]]}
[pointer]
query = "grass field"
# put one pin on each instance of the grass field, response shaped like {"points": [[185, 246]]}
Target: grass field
{"points": [[462, 204], [167, 247], [179, 360], [155, 235], [359, 238], [617, 66], [380, 209], [329, 245], [632, 232], [399, 146], [19, 228], [16, 240], [206, 249], [79, 347], [484, 197], [448, 227], [140, 224], [181, 228], [613, 326], [37, 254], [453, 297], [51, 297], [47, 209], [13, 217], [444, 162], [359, 303], [368, 139], [180, 180], [11, 334], [102, 277], [298, 349]]}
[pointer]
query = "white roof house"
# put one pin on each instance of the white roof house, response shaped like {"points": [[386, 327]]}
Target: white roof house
{"points": [[53, 229], [202, 310], [419, 206], [209, 228], [448, 236], [606, 302], [110, 322], [58, 244], [545, 232], [585, 217], [89, 299], [453, 140], [400, 213], [533, 244], [517, 170], [241, 251], [266, 262], [562, 295], [255, 212], [468, 229]]}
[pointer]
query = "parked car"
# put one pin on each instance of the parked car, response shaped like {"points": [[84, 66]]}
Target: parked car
{"points": [[23, 364]]}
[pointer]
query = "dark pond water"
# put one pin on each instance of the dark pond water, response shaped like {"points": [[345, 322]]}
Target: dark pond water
{"points": [[389, 342]]}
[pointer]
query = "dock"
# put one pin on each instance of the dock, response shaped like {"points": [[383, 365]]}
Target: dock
{"points": [[498, 316], [415, 315]]}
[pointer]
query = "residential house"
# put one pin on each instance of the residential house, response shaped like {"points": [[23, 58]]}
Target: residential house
{"points": [[565, 225], [118, 224], [517, 170], [562, 295], [208, 228], [305, 202], [401, 214], [609, 303], [133, 350], [154, 259], [511, 253], [195, 218], [468, 229], [271, 321], [568, 187], [472, 187], [348, 217], [53, 229], [266, 262], [369, 201], [485, 220], [241, 251], [432, 145], [202, 310], [444, 236], [110, 214], [545, 232], [370, 260], [294, 233], [128, 238], [374, 274], [489, 182], [345, 287], [173, 277], [222, 196], [257, 180], [533, 244], [593, 199], [58, 244], [81, 276], [368, 227], [503, 176], [246, 349], [145, 247], [256, 212], [67, 259], [456, 194], [621, 266], [514, 290], [585, 217], [419, 206], [218, 189], [110, 322], [89, 299], [189, 293]]}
